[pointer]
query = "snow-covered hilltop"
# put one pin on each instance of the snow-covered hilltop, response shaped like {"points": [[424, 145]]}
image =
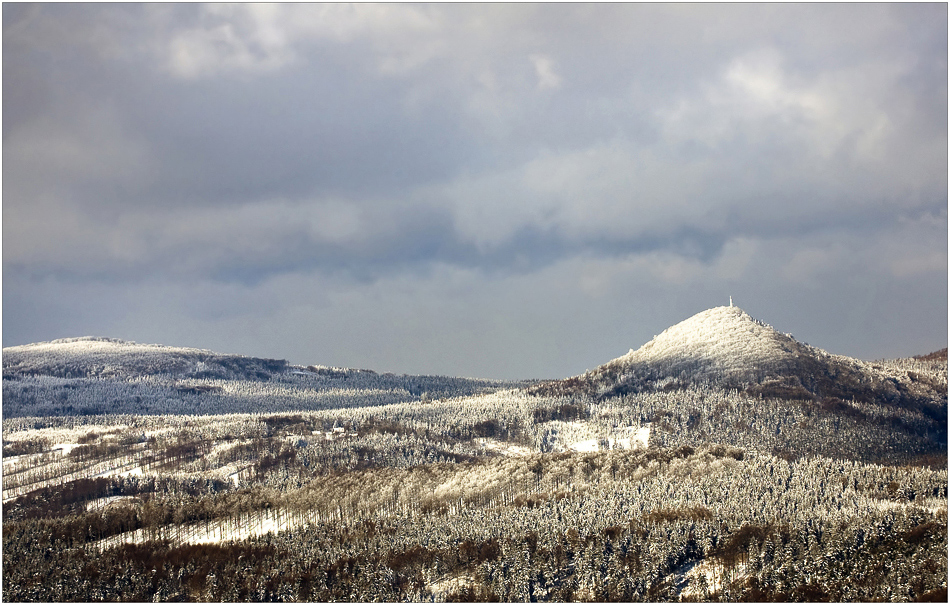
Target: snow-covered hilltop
{"points": [[725, 347], [93, 349], [720, 342], [94, 375], [92, 356]]}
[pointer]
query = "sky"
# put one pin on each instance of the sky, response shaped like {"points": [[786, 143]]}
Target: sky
{"points": [[495, 191]]}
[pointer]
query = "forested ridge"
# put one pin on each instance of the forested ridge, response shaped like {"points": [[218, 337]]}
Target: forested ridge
{"points": [[275, 482]]}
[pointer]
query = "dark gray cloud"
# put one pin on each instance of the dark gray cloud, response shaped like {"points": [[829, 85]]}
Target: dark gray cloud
{"points": [[503, 190]]}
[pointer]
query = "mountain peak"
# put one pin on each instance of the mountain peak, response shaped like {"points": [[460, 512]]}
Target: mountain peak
{"points": [[724, 347], [720, 341]]}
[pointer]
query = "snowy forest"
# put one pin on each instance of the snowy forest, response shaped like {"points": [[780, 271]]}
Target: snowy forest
{"points": [[143, 473]]}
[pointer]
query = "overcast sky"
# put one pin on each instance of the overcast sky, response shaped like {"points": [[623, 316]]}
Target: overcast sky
{"points": [[501, 191]]}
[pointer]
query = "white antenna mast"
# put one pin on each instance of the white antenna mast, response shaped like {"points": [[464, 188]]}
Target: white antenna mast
{"points": [[730, 300]]}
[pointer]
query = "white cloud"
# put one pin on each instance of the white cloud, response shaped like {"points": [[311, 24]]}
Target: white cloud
{"points": [[546, 70], [247, 37], [840, 114], [196, 52], [262, 37]]}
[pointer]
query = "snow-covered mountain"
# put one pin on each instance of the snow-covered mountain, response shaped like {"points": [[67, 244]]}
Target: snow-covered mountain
{"points": [[726, 347], [94, 375], [92, 356], [722, 342]]}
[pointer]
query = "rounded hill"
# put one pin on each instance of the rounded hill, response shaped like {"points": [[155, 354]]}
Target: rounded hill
{"points": [[716, 344], [92, 356], [725, 347]]}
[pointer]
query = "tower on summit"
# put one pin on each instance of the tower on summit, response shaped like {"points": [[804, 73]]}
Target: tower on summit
{"points": [[730, 300]]}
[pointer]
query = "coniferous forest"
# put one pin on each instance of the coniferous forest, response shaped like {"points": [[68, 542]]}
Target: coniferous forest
{"points": [[157, 474]]}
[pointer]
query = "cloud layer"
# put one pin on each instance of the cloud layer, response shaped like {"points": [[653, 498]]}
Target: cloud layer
{"points": [[501, 190]]}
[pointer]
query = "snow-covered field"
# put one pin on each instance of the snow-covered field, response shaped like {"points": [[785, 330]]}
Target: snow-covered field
{"points": [[628, 438], [503, 447]]}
